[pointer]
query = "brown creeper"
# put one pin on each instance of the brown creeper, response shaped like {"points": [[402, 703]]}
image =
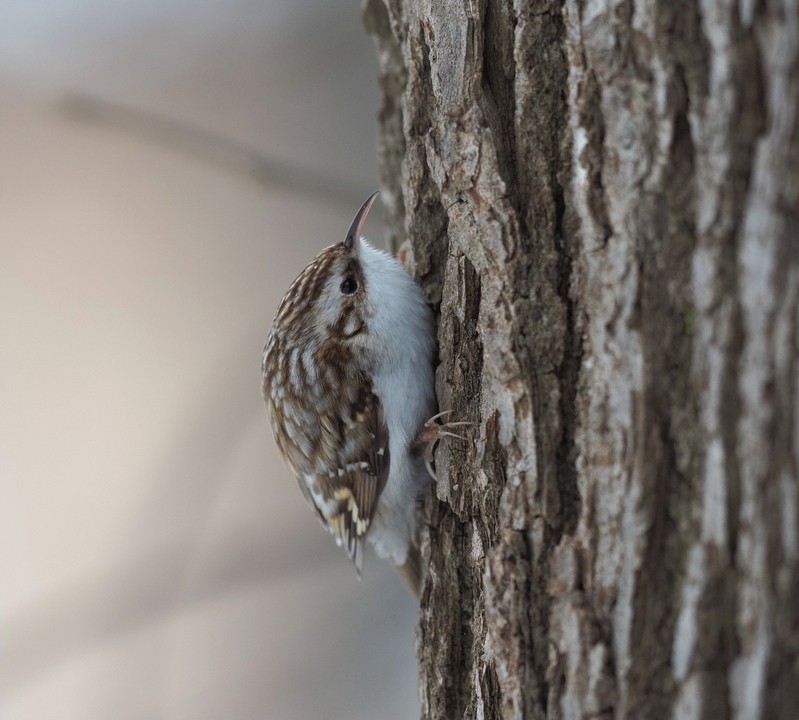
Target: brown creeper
{"points": [[348, 382]]}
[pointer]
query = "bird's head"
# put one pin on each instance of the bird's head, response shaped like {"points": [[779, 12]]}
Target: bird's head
{"points": [[333, 298]]}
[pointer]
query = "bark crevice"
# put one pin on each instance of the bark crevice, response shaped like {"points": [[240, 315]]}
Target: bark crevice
{"points": [[600, 202]]}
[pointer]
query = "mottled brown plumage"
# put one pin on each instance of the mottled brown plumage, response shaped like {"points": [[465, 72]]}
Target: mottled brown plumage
{"points": [[326, 417], [348, 381]]}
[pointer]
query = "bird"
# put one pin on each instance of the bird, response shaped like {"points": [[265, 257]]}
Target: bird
{"points": [[349, 385]]}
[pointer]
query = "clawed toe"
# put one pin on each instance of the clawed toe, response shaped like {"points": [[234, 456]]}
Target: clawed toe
{"points": [[425, 442], [432, 420], [442, 433], [429, 466]]}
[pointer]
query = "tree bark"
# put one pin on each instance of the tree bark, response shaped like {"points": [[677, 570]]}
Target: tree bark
{"points": [[602, 201]]}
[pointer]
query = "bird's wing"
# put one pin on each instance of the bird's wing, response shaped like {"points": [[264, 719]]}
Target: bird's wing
{"points": [[350, 462]]}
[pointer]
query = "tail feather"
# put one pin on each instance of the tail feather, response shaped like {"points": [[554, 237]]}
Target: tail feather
{"points": [[411, 571]]}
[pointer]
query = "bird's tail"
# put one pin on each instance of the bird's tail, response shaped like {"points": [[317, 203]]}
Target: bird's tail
{"points": [[411, 571]]}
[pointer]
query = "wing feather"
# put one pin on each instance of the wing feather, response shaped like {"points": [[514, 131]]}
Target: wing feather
{"points": [[350, 469], [335, 440]]}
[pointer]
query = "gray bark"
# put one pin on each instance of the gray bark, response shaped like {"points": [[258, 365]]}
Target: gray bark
{"points": [[602, 201]]}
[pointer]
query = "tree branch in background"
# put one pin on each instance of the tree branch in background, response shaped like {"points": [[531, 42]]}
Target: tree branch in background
{"points": [[212, 148]]}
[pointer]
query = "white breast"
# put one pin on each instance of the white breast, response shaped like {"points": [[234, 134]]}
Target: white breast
{"points": [[401, 329]]}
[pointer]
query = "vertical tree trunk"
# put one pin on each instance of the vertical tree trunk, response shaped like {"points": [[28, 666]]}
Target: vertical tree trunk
{"points": [[602, 199]]}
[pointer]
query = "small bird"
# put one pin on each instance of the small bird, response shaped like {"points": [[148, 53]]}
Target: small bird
{"points": [[348, 382]]}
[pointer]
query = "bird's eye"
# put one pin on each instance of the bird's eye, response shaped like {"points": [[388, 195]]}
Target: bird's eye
{"points": [[349, 286]]}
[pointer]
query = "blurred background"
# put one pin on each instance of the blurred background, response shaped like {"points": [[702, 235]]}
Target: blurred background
{"points": [[166, 168]]}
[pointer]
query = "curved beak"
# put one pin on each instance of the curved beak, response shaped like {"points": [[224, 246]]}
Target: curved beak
{"points": [[354, 233]]}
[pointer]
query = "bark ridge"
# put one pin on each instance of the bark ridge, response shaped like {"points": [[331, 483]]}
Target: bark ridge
{"points": [[601, 200]]}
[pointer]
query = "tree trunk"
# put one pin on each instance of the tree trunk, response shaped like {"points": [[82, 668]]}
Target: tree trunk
{"points": [[602, 200]]}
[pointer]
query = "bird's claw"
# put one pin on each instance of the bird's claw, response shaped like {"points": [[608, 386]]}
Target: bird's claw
{"points": [[432, 432]]}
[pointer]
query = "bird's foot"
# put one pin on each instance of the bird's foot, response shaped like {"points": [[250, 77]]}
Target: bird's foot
{"points": [[425, 442]]}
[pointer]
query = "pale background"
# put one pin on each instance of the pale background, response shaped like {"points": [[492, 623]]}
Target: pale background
{"points": [[156, 559]]}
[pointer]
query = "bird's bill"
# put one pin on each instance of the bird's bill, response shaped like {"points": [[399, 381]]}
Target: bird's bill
{"points": [[354, 233]]}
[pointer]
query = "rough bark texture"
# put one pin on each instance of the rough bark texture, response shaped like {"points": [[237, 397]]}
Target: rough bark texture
{"points": [[602, 200]]}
